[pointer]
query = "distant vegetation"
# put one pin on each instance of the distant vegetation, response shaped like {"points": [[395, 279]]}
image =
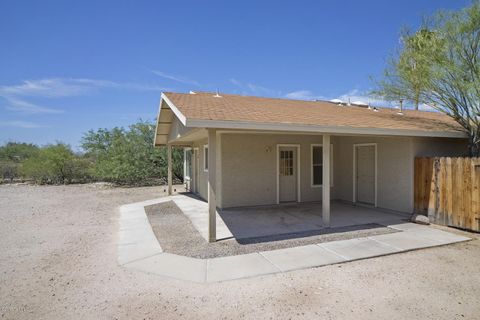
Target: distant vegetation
{"points": [[124, 156]]}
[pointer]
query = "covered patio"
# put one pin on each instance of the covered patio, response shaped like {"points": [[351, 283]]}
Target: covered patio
{"points": [[283, 221], [248, 151]]}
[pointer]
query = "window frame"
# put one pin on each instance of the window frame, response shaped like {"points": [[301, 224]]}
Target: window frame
{"points": [[185, 150], [314, 145], [205, 158]]}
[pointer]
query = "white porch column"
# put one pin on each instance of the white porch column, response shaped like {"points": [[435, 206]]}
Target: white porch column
{"points": [[212, 169], [326, 181], [169, 173]]}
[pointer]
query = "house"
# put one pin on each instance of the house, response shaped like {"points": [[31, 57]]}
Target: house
{"points": [[249, 151]]}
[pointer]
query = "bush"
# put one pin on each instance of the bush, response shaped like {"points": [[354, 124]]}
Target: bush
{"points": [[9, 170], [56, 164], [128, 156], [12, 155]]}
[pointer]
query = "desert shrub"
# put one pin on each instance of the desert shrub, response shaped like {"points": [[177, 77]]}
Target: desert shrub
{"points": [[12, 155], [17, 152], [56, 164], [128, 156], [9, 170]]}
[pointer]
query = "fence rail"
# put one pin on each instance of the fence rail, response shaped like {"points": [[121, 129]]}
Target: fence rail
{"points": [[448, 190]]}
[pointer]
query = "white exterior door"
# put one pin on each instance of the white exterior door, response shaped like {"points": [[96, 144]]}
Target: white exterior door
{"points": [[365, 174], [287, 174]]}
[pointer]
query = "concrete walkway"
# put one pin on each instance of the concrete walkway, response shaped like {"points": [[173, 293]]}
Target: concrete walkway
{"points": [[139, 249]]}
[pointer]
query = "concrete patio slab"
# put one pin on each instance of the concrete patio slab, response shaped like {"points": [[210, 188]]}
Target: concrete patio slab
{"points": [[406, 226], [197, 211], [301, 257], [439, 236], [136, 239], [138, 248], [236, 267], [174, 266], [405, 241], [263, 221], [359, 248], [135, 236], [131, 252]]}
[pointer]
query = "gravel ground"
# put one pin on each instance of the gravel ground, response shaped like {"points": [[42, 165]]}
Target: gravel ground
{"points": [[58, 261], [176, 234]]}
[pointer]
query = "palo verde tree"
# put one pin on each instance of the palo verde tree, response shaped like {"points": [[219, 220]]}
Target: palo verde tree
{"points": [[439, 65]]}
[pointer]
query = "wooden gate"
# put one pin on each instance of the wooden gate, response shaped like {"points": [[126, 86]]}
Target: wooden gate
{"points": [[448, 190]]}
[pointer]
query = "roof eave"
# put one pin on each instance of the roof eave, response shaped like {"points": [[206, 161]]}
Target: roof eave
{"points": [[291, 127]]}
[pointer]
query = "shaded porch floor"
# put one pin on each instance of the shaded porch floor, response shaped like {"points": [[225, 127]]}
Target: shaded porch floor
{"points": [[284, 221]]}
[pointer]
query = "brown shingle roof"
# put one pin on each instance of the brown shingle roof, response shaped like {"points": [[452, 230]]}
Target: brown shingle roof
{"points": [[248, 109]]}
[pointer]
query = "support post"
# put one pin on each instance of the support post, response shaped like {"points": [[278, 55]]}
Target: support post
{"points": [[212, 169], [326, 181], [169, 173]]}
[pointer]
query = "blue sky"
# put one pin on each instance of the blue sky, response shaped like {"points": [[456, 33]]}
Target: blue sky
{"points": [[70, 66]]}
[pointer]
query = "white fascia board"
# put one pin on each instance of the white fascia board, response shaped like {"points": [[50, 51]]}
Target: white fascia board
{"points": [[288, 127], [175, 110]]}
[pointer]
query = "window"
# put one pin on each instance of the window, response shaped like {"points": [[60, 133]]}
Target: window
{"points": [[187, 163], [286, 163], [205, 158], [317, 165]]}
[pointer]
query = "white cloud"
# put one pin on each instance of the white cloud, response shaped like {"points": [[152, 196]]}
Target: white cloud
{"points": [[20, 124], [175, 78], [357, 95], [426, 107], [303, 95], [235, 82], [250, 88], [60, 87], [68, 87], [25, 107]]}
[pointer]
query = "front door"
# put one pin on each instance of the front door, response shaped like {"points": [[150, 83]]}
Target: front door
{"points": [[365, 174], [287, 174]]}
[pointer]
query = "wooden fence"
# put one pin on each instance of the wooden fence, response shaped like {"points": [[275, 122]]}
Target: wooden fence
{"points": [[448, 190]]}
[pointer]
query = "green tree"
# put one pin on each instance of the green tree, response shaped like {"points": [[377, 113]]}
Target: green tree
{"points": [[128, 156], [406, 76], [12, 154], [15, 151], [56, 164], [440, 65]]}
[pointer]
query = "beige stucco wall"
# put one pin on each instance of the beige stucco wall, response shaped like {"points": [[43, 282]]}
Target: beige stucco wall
{"points": [[394, 171], [249, 167]]}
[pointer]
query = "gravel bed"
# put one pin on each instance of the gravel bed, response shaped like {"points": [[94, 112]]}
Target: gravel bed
{"points": [[176, 234]]}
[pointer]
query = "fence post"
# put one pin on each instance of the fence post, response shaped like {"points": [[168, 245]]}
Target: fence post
{"points": [[433, 192]]}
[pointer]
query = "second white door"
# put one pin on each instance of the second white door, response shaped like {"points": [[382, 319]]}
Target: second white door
{"points": [[365, 174], [287, 174]]}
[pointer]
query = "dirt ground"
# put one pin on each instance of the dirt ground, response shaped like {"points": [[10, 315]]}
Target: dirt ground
{"points": [[58, 261]]}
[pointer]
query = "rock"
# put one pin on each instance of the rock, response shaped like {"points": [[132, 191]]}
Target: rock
{"points": [[420, 219]]}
